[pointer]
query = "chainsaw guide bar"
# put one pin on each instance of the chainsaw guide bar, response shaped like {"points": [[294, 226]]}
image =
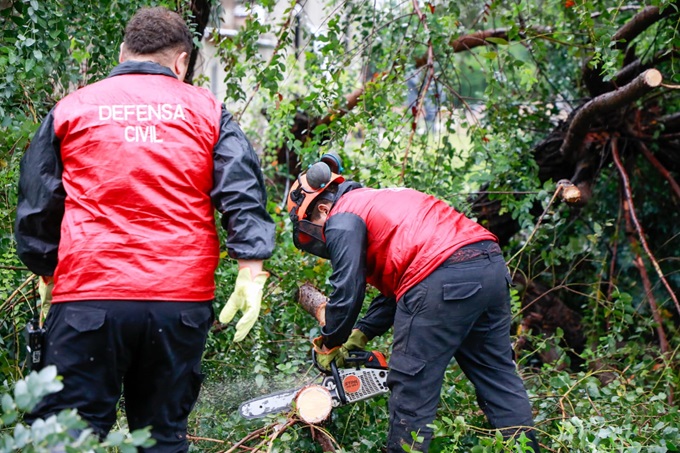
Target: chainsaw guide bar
{"points": [[344, 385]]}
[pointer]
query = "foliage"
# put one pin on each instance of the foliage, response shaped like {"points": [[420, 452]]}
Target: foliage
{"points": [[65, 430], [486, 110]]}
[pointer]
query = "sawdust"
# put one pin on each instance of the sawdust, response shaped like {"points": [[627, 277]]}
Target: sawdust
{"points": [[228, 393]]}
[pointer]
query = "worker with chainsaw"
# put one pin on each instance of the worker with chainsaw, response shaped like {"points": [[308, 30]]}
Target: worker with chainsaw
{"points": [[444, 287], [117, 195]]}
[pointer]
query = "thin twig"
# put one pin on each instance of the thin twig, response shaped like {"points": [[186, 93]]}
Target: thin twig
{"points": [[636, 223], [203, 439], [423, 88], [249, 437], [538, 223], [661, 169], [278, 430], [16, 291]]}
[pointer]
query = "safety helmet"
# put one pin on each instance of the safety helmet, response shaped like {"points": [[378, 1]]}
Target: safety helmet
{"points": [[309, 186]]}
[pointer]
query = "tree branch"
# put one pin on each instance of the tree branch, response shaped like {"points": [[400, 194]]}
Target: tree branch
{"points": [[661, 169], [479, 38], [639, 23], [638, 228], [580, 124], [632, 69], [670, 123]]}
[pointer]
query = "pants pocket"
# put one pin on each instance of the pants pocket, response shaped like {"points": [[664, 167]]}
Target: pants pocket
{"points": [[84, 319], [452, 292], [406, 364]]}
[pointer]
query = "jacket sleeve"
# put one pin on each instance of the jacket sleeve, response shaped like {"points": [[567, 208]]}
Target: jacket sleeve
{"points": [[346, 242], [379, 317], [40, 207], [239, 194]]}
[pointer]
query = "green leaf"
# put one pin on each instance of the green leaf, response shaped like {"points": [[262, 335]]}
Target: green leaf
{"points": [[7, 403], [115, 438], [499, 41]]}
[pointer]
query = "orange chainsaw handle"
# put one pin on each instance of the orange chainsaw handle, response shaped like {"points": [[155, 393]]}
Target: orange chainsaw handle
{"points": [[370, 359]]}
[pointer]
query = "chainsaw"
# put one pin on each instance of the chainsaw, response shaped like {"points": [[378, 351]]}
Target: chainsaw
{"points": [[365, 377]]}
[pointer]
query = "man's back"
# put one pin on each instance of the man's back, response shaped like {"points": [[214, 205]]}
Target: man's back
{"points": [[409, 234], [137, 151]]}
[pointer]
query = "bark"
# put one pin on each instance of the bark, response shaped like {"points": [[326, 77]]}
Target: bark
{"points": [[313, 301], [603, 105], [323, 439]]}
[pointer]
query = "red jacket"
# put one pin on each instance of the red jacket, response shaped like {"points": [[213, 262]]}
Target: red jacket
{"points": [[136, 164], [392, 239]]}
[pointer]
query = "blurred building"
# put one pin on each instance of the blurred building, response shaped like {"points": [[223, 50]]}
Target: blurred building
{"points": [[308, 19]]}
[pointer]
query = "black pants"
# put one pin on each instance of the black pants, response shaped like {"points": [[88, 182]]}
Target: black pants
{"points": [[461, 310], [150, 350]]}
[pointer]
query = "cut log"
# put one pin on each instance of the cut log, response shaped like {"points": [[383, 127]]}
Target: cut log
{"points": [[604, 104], [313, 301], [314, 404], [570, 193]]}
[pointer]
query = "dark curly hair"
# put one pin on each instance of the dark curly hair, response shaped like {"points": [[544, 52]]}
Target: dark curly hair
{"points": [[154, 30]]}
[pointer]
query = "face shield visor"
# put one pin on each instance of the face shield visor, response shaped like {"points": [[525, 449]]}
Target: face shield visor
{"points": [[310, 186], [309, 238]]}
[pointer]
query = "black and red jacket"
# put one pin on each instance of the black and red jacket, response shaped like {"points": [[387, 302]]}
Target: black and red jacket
{"points": [[391, 239], [118, 189]]}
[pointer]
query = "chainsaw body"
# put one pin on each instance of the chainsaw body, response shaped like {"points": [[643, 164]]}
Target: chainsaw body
{"points": [[366, 378]]}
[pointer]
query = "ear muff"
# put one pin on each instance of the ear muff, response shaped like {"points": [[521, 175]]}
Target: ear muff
{"points": [[333, 161], [318, 176]]}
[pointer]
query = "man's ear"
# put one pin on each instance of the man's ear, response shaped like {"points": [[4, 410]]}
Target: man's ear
{"points": [[121, 54], [181, 65], [324, 208]]}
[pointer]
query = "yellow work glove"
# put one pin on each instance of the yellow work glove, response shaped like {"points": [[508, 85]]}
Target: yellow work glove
{"points": [[45, 289], [325, 356], [356, 340], [247, 297], [45, 285]]}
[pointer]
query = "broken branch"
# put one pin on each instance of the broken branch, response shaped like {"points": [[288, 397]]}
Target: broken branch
{"points": [[641, 85]]}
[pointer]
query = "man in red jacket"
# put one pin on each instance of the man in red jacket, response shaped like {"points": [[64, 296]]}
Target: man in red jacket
{"points": [[444, 287], [117, 194]]}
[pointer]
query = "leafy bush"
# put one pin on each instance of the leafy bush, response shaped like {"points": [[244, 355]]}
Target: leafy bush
{"points": [[65, 431]]}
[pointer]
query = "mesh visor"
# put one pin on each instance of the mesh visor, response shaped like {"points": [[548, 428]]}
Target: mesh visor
{"points": [[309, 237]]}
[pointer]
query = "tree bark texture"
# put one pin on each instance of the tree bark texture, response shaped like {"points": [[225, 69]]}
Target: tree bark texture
{"points": [[313, 301]]}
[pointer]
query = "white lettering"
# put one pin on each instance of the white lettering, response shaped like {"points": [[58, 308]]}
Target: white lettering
{"points": [[154, 138], [142, 112], [167, 112], [117, 112], [179, 112], [129, 111], [130, 134], [104, 112], [154, 113], [142, 134]]}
